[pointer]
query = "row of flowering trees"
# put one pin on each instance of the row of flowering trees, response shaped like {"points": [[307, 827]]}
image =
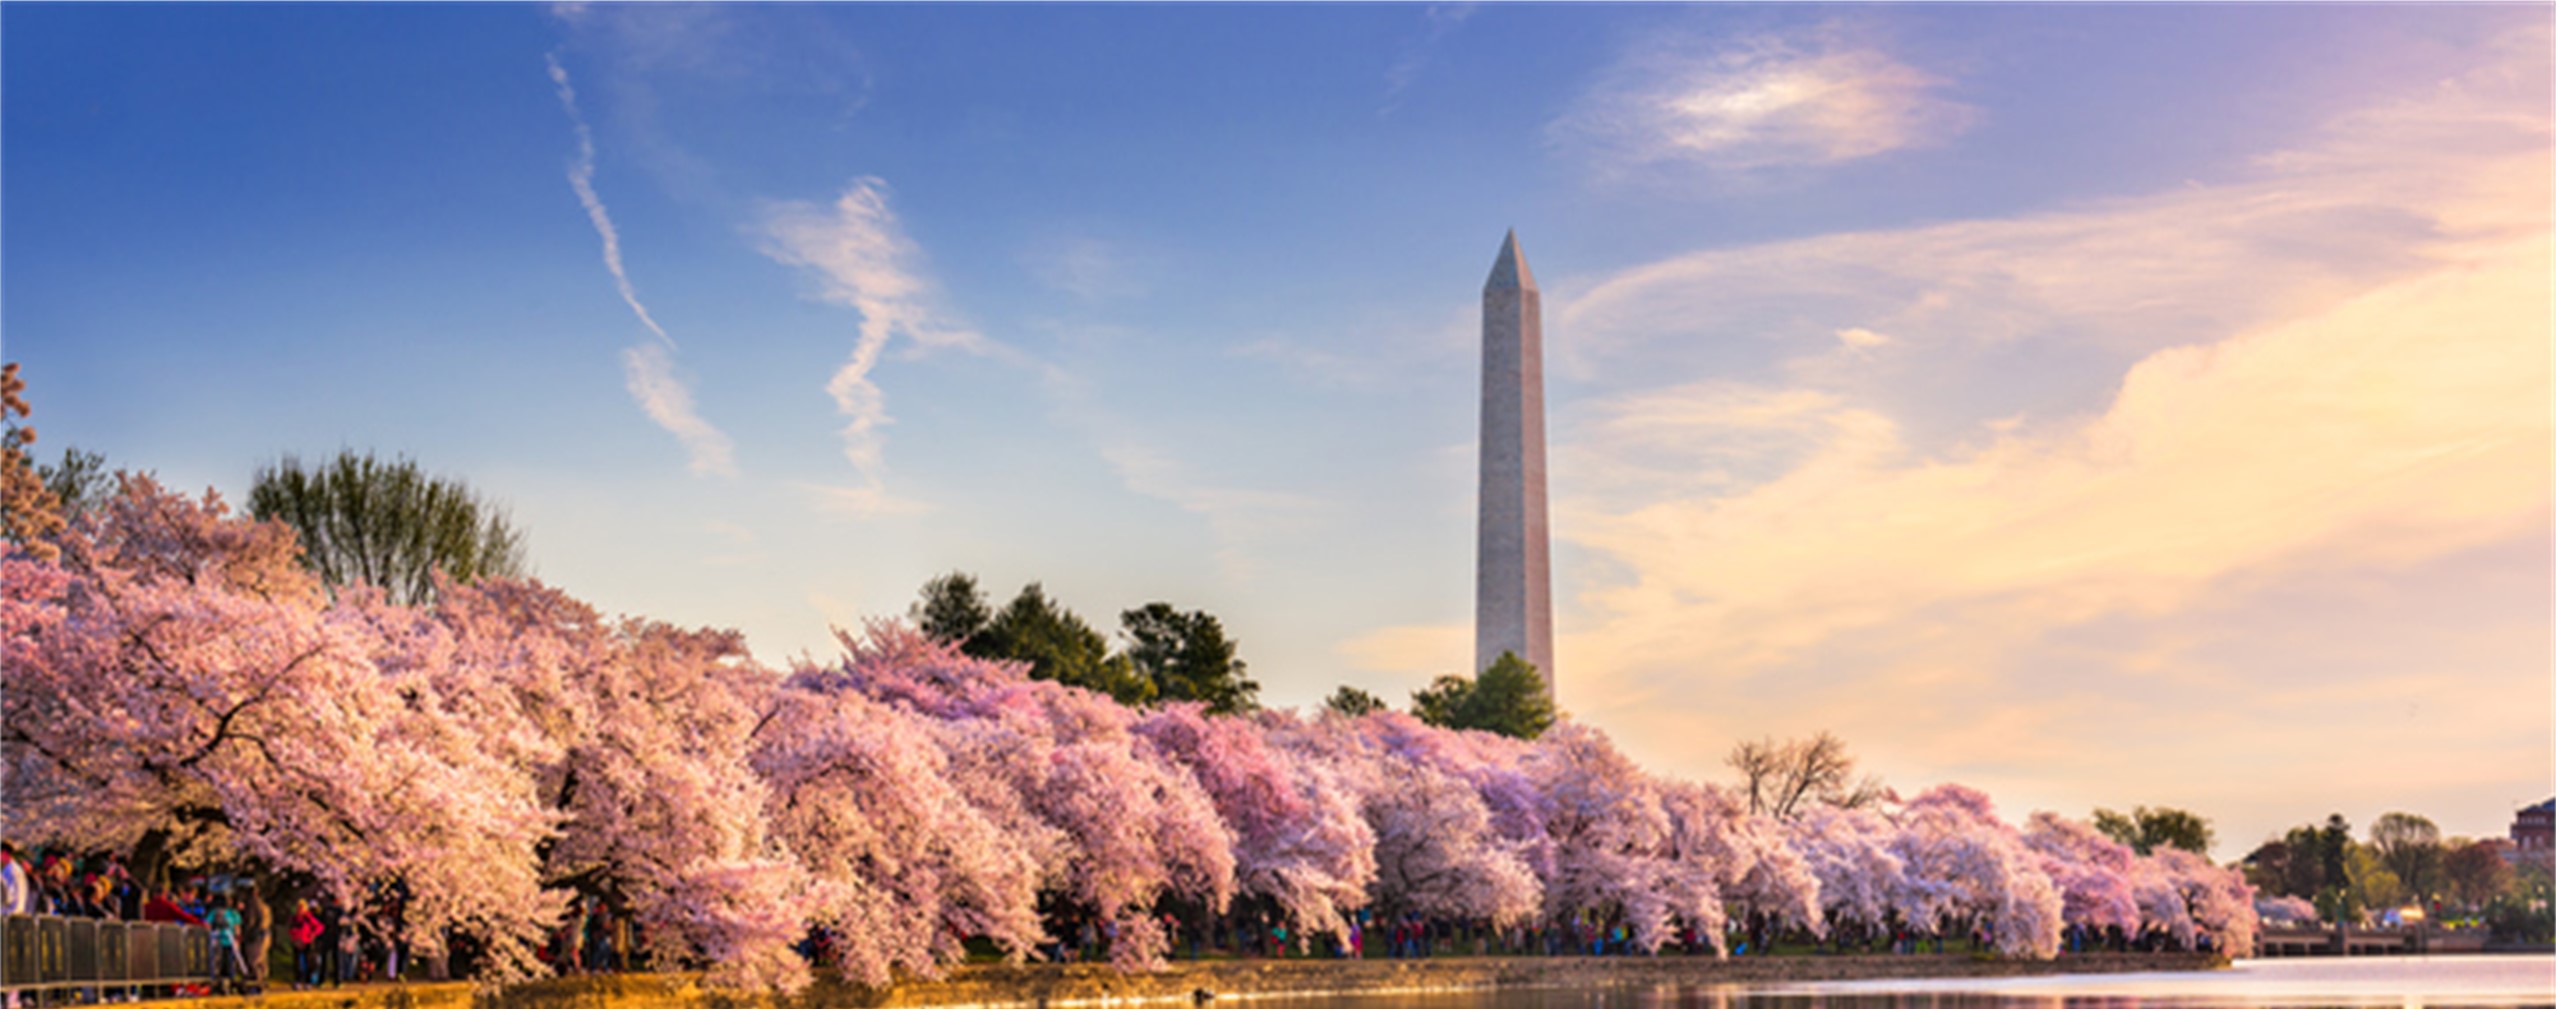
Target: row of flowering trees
{"points": [[177, 683]]}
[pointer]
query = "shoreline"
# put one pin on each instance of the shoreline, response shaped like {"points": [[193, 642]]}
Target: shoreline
{"points": [[1037, 986], [1060, 986]]}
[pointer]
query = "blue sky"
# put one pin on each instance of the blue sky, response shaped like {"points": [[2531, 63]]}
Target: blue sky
{"points": [[2101, 405]]}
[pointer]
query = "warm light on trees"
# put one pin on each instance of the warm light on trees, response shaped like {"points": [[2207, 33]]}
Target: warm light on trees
{"points": [[1353, 702], [1186, 657], [2410, 847], [2147, 829], [33, 517], [181, 688], [2476, 871], [1508, 698], [389, 525]]}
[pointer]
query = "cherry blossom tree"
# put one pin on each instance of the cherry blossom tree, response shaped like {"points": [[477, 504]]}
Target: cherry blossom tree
{"points": [[191, 699], [1435, 850], [904, 865], [2294, 911], [1494, 765], [1615, 847], [1299, 840], [1135, 826], [2215, 899], [1971, 867], [178, 684], [2093, 872], [1755, 867], [1862, 881]]}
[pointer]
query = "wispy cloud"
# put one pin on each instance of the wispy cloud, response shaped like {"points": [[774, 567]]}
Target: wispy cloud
{"points": [[1240, 519], [1757, 103], [1377, 353], [1859, 338], [1443, 20], [648, 372], [2328, 422], [732, 545], [648, 368], [863, 260], [1091, 269], [581, 177], [862, 502]]}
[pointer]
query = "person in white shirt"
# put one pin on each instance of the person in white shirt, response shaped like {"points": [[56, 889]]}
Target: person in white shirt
{"points": [[17, 896]]}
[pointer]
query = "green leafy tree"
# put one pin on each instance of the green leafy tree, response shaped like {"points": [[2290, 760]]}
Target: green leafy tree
{"points": [[2267, 868], [2476, 872], [2145, 829], [1058, 646], [387, 524], [952, 610], [1442, 702], [1187, 657], [2410, 846], [2526, 912], [1353, 702], [2372, 884], [2334, 849], [2320, 867], [1507, 698]]}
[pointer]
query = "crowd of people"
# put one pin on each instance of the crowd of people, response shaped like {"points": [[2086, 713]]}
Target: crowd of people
{"points": [[325, 944]]}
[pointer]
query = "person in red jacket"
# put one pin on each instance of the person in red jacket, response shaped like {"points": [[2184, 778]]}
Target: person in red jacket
{"points": [[164, 907], [306, 953]]}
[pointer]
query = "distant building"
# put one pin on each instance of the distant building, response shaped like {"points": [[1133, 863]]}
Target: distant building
{"points": [[2534, 831]]}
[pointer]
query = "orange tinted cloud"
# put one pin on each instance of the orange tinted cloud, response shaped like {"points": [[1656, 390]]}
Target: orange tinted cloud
{"points": [[2303, 532]]}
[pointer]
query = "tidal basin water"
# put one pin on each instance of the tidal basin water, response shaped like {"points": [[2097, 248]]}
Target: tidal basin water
{"points": [[2306, 983]]}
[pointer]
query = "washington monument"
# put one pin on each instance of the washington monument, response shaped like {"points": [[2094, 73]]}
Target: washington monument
{"points": [[1513, 581]]}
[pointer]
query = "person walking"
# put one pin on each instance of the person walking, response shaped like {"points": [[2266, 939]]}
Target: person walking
{"points": [[257, 933], [350, 946], [229, 968]]}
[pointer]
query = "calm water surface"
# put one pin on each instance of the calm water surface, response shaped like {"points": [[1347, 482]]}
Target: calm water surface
{"points": [[2279, 984]]}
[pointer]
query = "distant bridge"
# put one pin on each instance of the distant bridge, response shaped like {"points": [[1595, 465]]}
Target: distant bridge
{"points": [[2322, 941]]}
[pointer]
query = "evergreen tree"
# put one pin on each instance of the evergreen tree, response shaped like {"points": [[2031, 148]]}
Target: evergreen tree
{"points": [[1353, 702], [1186, 657], [1058, 646], [952, 609], [1507, 698]]}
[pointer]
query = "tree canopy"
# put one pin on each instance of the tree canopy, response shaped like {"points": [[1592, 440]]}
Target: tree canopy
{"points": [[30, 515], [2410, 847], [1172, 655], [1058, 646], [1186, 657], [952, 609], [507, 749], [79, 483], [1507, 698], [1353, 702], [2145, 829], [390, 525], [1784, 779]]}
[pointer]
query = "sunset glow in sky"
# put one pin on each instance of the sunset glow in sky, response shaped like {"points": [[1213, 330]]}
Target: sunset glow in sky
{"points": [[2097, 406]]}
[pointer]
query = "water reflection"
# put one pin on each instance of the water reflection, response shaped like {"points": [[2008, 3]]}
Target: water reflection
{"points": [[2425, 982]]}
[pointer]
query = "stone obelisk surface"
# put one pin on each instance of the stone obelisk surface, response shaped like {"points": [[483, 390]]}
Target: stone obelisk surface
{"points": [[1513, 584]]}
